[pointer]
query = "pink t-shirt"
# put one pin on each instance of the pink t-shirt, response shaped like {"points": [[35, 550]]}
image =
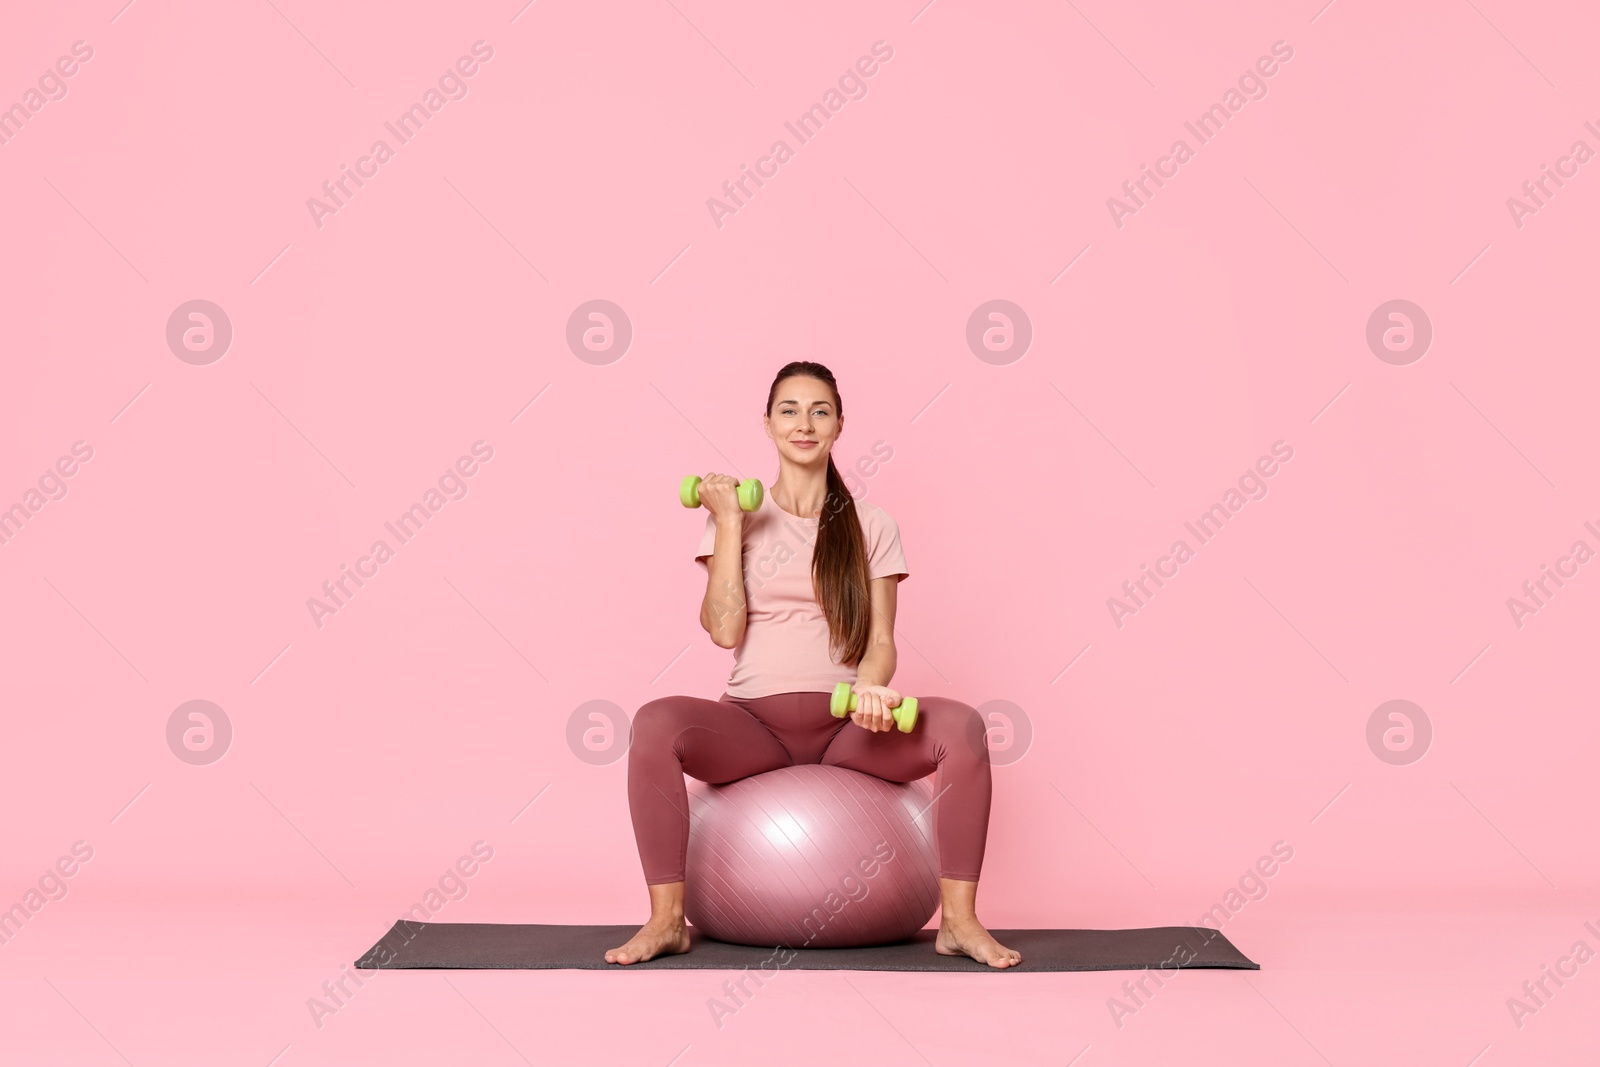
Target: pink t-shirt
{"points": [[785, 647]]}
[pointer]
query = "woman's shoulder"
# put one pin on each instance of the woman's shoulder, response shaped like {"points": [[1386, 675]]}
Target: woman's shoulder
{"points": [[873, 515]]}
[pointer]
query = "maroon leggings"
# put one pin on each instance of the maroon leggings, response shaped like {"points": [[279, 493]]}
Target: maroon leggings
{"points": [[729, 738]]}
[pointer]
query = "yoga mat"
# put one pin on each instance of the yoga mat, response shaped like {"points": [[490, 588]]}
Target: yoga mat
{"points": [[524, 946]]}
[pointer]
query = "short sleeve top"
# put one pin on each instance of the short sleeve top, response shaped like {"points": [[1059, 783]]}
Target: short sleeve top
{"points": [[785, 646]]}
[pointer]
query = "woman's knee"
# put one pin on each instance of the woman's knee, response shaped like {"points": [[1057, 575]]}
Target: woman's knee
{"points": [[960, 727], [655, 720]]}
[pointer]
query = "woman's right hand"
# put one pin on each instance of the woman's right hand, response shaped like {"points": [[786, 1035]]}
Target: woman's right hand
{"points": [[719, 494]]}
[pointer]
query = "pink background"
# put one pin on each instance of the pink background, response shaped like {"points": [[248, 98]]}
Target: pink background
{"points": [[368, 354]]}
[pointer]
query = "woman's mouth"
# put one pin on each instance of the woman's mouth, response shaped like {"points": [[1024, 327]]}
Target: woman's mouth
{"points": [[805, 444]]}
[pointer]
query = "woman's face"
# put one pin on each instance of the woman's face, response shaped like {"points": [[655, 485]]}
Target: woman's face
{"points": [[803, 411]]}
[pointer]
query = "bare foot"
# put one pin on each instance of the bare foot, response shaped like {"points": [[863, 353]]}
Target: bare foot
{"points": [[658, 937], [967, 937]]}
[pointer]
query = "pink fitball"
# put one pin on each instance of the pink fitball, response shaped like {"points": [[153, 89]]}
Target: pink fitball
{"points": [[811, 856]]}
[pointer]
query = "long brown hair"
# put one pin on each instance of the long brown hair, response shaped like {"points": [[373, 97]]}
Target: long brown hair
{"points": [[839, 558]]}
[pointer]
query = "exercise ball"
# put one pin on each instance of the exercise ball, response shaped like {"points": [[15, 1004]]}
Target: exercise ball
{"points": [[810, 856]]}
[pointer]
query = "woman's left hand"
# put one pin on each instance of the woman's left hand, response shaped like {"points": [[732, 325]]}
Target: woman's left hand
{"points": [[872, 707]]}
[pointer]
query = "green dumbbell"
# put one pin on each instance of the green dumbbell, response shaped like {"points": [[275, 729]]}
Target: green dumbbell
{"points": [[844, 702], [750, 493]]}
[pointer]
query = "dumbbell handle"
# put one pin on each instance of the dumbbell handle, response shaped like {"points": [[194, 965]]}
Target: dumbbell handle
{"points": [[750, 493], [845, 701]]}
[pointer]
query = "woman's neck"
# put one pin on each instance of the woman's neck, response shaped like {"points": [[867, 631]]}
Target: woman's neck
{"points": [[800, 497]]}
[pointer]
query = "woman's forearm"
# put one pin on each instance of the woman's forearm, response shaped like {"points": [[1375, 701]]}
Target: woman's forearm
{"points": [[722, 611], [877, 665]]}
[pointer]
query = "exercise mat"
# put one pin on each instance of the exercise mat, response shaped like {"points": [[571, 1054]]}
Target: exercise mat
{"points": [[532, 946]]}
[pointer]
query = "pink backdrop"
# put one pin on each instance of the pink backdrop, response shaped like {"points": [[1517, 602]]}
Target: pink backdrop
{"points": [[1148, 356]]}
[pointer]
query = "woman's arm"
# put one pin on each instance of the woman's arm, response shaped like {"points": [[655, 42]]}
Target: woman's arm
{"points": [[878, 664], [722, 611]]}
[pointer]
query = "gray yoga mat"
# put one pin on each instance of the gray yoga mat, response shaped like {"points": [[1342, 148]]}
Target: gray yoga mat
{"points": [[525, 946]]}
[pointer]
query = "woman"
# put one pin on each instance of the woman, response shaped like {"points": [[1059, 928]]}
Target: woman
{"points": [[814, 607]]}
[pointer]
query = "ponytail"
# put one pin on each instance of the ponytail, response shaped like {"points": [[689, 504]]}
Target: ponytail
{"points": [[839, 573]]}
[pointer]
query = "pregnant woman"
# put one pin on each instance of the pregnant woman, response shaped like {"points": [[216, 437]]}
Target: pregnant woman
{"points": [[804, 591]]}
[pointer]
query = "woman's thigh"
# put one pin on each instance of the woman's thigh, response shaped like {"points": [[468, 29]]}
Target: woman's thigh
{"points": [[800, 722], [713, 740], [945, 728]]}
